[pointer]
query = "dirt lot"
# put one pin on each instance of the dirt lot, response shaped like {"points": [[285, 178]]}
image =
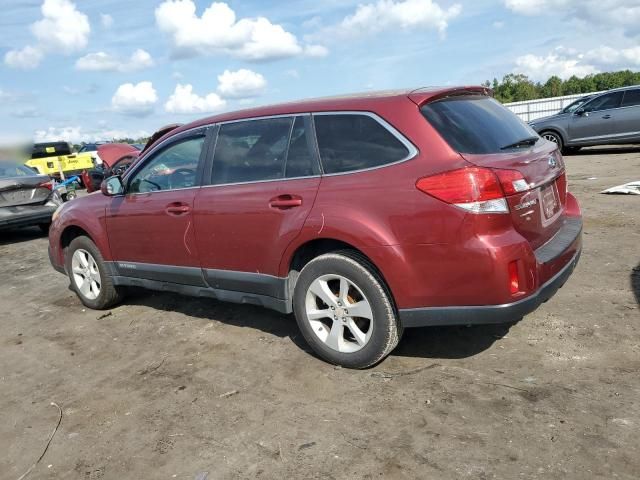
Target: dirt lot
{"points": [[170, 387]]}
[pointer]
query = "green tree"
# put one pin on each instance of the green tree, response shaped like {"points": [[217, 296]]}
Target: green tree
{"points": [[516, 87]]}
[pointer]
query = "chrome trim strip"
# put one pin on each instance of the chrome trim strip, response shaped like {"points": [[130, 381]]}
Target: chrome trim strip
{"points": [[613, 135], [260, 181]]}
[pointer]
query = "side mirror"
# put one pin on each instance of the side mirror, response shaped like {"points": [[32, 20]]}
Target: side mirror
{"points": [[581, 112], [112, 186]]}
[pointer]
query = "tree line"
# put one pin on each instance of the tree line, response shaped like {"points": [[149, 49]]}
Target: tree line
{"points": [[516, 87]]}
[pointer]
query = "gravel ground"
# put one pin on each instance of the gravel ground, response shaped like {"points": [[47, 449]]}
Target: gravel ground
{"points": [[172, 387]]}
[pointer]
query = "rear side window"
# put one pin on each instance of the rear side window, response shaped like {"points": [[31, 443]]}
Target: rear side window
{"points": [[349, 142], [250, 151], [300, 162], [476, 124], [263, 149], [631, 98]]}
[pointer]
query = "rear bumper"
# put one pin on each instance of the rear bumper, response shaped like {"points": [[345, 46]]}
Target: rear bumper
{"points": [[554, 263], [488, 314], [25, 216]]}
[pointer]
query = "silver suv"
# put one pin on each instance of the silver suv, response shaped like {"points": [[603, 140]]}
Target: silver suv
{"points": [[607, 118]]}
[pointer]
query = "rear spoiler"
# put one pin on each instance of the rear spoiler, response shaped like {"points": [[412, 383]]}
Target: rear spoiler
{"points": [[423, 96], [160, 133]]}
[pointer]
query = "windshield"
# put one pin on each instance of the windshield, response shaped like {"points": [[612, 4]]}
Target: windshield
{"points": [[572, 107], [478, 124]]}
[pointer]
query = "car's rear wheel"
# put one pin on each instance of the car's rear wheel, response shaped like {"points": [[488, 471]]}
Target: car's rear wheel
{"points": [[553, 137], [88, 275], [344, 310]]}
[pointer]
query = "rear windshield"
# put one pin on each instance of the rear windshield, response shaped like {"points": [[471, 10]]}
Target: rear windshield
{"points": [[476, 124], [10, 170]]}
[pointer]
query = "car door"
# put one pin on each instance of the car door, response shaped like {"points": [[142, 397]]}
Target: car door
{"points": [[150, 227], [596, 121], [264, 180], [628, 116]]}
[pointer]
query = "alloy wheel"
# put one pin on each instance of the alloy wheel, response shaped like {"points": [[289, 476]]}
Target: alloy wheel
{"points": [[339, 313], [86, 275]]}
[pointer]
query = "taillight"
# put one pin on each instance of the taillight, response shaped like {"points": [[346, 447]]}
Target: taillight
{"points": [[475, 189], [512, 181], [48, 185]]}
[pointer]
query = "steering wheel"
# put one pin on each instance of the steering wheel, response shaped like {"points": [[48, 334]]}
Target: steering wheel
{"points": [[182, 177]]}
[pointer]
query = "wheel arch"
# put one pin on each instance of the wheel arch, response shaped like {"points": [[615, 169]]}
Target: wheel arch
{"points": [[70, 232], [307, 251], [555, 131], [74, 230]]}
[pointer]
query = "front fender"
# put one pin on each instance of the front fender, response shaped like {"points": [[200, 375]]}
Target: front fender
{"points": [[86, 213]]}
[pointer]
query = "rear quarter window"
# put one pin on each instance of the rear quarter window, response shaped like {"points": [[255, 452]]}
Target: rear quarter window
{"points": [[476, 124], [349, 142]]}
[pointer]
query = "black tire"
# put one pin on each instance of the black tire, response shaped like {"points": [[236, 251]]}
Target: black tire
{"points": [[109, 294], [387, 330], [555, 138]]}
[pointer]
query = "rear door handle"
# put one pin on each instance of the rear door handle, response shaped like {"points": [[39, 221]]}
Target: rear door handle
{"points": [[177, 208], [284, 202], [607, 117]]}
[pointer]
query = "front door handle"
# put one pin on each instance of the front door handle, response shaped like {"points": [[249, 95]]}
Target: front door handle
{"points": [[607, 117], [284, 202], [177, 208]]}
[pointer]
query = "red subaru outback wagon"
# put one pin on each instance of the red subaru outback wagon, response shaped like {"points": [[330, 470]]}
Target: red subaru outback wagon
{"points": [[363, 215]]}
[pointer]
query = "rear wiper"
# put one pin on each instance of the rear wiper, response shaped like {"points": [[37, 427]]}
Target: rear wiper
{"points": [[525, 142]]}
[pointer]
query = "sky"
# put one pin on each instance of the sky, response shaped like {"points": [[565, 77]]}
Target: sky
{"points": [[85, 70]]}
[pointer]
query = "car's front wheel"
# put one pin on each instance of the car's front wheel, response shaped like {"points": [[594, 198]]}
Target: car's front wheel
{"points": [[345, 311], [88, 275]]}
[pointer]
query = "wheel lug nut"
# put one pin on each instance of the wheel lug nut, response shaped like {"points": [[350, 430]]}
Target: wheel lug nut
{"points": [[333, 308]]}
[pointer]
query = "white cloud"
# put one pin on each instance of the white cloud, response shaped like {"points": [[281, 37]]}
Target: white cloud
{"points": [[26, 58], [565, 62], [137, 100], [624, 14], [104, 62], [405, 15], [62, 29], [184, 101], [242, 83], [219, 31], [621, 57], [77, 134], [106, 20], [542, 67]]}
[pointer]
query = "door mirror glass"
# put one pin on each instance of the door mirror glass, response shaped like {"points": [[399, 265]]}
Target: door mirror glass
{"points": [[112, 186], [580, 112]]}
